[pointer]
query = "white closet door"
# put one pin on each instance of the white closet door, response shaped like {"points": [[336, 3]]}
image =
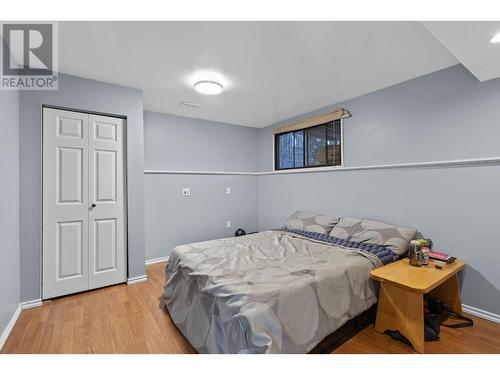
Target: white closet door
{"points": [[107, 243], [65, 202], [84, 219]]}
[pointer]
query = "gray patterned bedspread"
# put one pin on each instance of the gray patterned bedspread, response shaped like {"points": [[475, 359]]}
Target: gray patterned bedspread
{"points": [[270, 292]]}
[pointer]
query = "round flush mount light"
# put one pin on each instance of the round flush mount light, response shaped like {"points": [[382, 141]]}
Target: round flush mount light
{"points": [[495, 38], [208, 87]]}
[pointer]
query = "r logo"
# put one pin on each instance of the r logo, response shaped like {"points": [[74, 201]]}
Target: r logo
{"points": [[28, 49]]}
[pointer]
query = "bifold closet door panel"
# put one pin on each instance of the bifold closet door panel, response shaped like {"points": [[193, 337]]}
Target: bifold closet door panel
{"points": [[65, 202], [84, 211], [107, 242]]}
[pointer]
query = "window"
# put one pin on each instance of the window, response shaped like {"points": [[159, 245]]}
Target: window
{"points": [[314, 146]]}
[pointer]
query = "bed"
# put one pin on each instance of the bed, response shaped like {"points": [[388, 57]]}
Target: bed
{"points": [[277, 291]]}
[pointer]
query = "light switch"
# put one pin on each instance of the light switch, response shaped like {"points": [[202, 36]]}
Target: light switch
{"points": [[228, 190], [228, 224], [186, 191]]}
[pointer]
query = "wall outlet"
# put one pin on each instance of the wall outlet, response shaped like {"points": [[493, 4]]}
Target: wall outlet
{"points": [[228, 224], [228, 190], [186, 191]]}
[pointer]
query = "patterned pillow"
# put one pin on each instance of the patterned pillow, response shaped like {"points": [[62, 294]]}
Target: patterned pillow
{"points": [[361, 230], [311, 223]]}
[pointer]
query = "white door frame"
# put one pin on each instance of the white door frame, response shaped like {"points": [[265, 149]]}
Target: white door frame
{"points": [[125, 187]]}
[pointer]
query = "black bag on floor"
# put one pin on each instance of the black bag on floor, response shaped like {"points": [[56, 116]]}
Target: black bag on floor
{"points": [[435, 313]]}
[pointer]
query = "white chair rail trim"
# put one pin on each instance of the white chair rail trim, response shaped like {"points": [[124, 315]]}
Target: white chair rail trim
{"points": [[428, 164]]}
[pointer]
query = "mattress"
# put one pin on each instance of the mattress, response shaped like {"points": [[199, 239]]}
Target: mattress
{"points": [[269, 292]]}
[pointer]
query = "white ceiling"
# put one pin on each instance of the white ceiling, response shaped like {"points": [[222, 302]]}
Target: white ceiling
{"points": [[271, 70], [469, 42]]}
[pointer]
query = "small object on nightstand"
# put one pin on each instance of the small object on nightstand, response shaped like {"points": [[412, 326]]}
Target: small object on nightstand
{"points": [[442, 257], [419, 252]]}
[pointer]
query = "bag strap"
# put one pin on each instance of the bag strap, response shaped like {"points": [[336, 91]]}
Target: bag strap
{"points": [[446, 310], [468, 321]]}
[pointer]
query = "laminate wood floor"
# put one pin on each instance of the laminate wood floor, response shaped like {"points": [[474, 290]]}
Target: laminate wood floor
{"points": [[128, 319]]}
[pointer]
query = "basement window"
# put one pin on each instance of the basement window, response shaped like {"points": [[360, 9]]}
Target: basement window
{"points": [[310, 144]]}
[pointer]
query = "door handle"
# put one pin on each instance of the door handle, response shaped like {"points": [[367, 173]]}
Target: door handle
{"points": [[93, 205]]}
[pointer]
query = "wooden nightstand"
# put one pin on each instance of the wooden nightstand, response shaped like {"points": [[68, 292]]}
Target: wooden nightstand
{"points": [[401, 300]]}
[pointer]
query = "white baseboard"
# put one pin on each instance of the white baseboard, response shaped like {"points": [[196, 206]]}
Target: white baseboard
{"points": [[8, 329], [157, 260], [481, 313], [31, 304], [137, 279]]}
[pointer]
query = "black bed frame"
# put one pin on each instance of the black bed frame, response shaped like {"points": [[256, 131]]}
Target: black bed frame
{"points": [[350, 329]]}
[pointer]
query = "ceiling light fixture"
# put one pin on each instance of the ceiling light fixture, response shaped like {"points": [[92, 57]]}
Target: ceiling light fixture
{"points": [[208, 87], [495, 38]]}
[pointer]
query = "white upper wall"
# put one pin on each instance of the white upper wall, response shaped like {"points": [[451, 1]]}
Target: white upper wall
{"points": [[468, 41]]}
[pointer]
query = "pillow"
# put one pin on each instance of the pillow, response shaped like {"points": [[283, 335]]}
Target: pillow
{"points": [[310, 222], [362, 230]]}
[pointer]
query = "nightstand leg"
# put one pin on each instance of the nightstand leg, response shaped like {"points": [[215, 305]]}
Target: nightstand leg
{"points": [[449, 293], [402, 310]]}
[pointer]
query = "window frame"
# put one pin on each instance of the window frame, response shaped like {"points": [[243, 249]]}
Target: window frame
{"points": [[326, 166]]}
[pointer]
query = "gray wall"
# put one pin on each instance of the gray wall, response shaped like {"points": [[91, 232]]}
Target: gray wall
{"points": [[9, 207], [442, 116], [84, 94], [172, 219], [180, 143]]}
